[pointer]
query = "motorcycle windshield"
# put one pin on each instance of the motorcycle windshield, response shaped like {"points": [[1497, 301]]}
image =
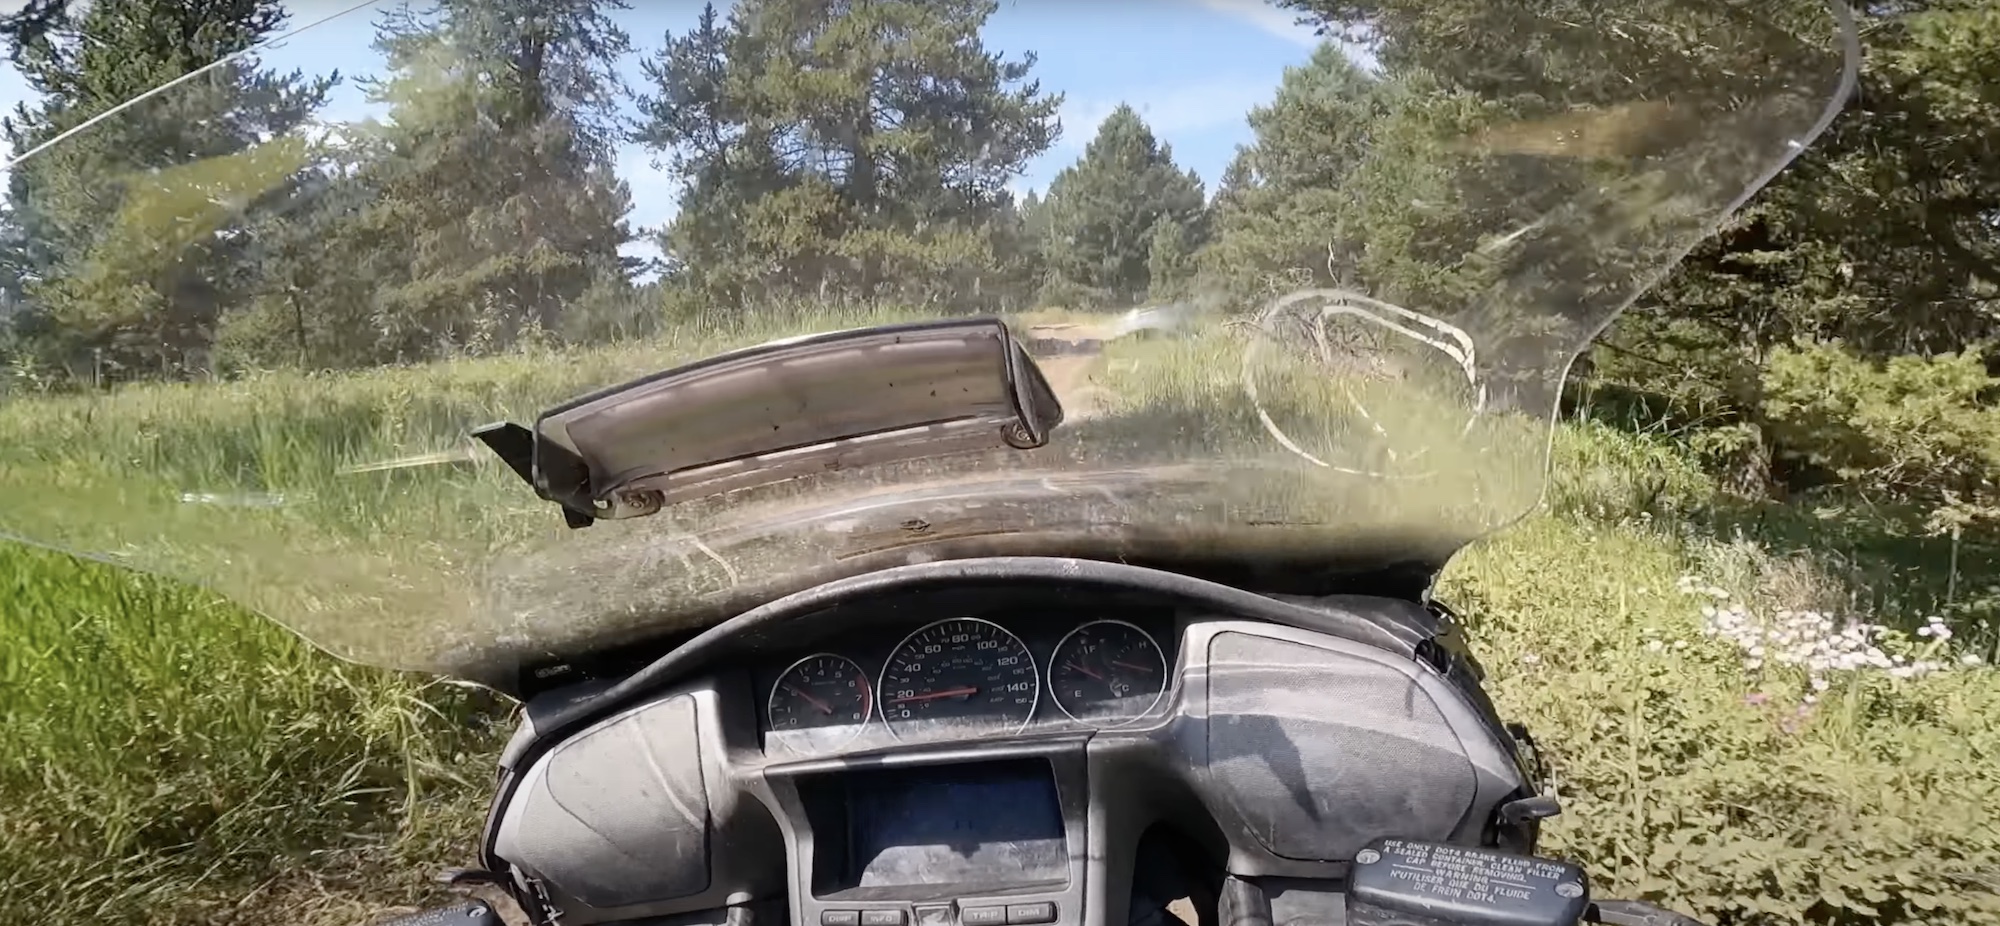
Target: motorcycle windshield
{"points": [[253, 333]]}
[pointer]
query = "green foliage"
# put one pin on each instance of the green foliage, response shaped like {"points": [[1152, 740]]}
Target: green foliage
{"points": [[1350, 182], [92, 302], [854, 150], [1737, 796], [170, 757], [1915, 429], [1107, 213], [1169, 261], [493, 175]]}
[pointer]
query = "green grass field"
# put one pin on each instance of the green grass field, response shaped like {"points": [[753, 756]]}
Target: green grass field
{"points": [[165, 757]]}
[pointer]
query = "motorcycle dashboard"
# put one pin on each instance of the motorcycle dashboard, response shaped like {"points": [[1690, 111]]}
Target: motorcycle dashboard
{"points": [[984, 753], [979, 673]]}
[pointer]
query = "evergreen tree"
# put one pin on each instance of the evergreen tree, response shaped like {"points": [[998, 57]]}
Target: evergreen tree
{"points": [[1107, 210], [492, 200], [93, 291], [858, 149]]}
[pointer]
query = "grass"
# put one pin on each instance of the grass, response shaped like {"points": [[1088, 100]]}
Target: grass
{"points": [[168, 758], [167, 755]]}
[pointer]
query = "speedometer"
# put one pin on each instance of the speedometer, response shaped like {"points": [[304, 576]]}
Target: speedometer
{"points": [[959, 671]]}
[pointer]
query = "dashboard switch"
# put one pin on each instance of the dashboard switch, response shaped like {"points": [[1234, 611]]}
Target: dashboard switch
{"points": [[937, 914], [839, 918], [983, 916], [883, 918], [1031, 914]]}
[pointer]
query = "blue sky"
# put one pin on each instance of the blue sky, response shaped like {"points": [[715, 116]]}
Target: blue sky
{"points": [[1193, 68]]}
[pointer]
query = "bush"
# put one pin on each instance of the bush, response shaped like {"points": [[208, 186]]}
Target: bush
{"points": [[1740, 795], [1911, 428]]}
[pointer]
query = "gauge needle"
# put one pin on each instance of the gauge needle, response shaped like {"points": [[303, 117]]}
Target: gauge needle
{"points": [[1127, 665], [1085, 671], [824, 707], [967, 691]]}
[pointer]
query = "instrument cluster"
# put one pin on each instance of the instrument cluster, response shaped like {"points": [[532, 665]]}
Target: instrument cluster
{"points": [[966, 675]]}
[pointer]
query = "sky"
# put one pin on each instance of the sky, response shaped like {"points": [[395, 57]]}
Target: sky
{"points": [[1192, 68]]}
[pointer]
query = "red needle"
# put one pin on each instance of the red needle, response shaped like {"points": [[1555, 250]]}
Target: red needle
{"points": [[1085, 671], [1127, 665], [824, 707], [932, 696]]}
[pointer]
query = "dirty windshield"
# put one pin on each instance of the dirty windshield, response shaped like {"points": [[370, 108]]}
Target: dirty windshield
{"points": [[427, 353]]}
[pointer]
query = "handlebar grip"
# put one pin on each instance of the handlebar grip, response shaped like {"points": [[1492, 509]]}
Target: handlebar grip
{"points": [[469, 913]]}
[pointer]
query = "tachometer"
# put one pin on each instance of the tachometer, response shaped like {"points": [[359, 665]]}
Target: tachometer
{"points": [[961, 670], [824, 696], [1105, 673]]}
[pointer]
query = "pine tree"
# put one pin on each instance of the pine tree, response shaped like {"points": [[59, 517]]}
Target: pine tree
{"points": [[857, 148], [1106, 210], [96, 292], [492, 185]]}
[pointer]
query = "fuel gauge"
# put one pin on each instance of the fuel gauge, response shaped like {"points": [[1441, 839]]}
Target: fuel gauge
{"points": [[1106, 673]]}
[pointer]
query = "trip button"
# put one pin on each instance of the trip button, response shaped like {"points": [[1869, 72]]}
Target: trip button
{"points": [[882, 918], [983, 916], [839, 918], [1031, 914]]}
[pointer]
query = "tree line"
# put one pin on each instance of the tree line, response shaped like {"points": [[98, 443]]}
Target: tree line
{"points": [[1836, 332], [858, 151]]}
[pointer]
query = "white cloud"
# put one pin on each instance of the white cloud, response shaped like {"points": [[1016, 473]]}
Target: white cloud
{"points": [[1259, 13]]}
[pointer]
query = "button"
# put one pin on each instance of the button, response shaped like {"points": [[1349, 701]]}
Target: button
{"points": [[1031, 914], [983, 916], [882, 918], [839, 918], [934, 914]]}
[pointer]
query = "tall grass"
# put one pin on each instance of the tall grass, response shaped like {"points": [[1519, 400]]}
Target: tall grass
{"points": [[247, 487], [163, 754]]}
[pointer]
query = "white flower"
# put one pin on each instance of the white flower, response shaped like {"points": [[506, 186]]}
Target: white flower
{"points": [[1969, 659]]}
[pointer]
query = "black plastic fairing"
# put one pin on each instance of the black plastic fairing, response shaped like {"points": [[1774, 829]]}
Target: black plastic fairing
{"points": [[1178, 772]]}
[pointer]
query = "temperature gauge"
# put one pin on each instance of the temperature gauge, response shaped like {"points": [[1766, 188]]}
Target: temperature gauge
{"points": [[1106, 673]]}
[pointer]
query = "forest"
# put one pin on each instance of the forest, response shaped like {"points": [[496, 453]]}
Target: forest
{"points": [[1836, 333]]}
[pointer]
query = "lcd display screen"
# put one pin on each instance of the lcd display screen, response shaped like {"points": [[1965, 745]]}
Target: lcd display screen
{"points": [[988, 822]]}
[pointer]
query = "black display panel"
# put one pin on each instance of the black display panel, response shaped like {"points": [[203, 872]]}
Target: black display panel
{"points": [[989, 823]]}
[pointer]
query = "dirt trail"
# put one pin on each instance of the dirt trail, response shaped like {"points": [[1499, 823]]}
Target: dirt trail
{"points": [[1071, 356]]}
